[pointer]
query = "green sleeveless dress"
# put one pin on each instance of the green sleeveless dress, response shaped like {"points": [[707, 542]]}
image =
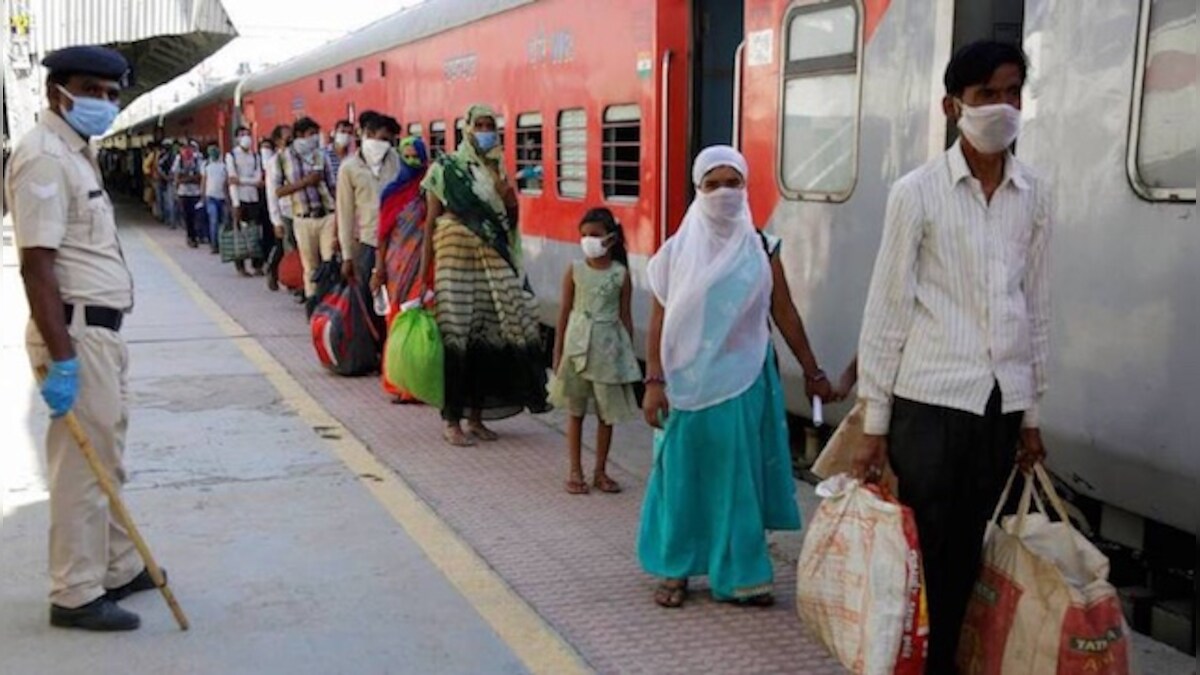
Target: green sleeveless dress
{"points": [[598, 367]]}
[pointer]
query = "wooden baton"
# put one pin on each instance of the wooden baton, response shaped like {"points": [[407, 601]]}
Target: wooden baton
{"points": [[122, 513]]}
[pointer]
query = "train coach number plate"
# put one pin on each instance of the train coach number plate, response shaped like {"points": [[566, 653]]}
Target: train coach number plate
{"points": [[760, 47]]}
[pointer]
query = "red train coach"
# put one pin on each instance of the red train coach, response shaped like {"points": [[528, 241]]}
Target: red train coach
{"points": [[611, 105]]}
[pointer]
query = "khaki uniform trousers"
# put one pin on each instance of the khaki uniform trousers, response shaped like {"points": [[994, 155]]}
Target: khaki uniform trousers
{"points": [[315, 238], [89, 550]]}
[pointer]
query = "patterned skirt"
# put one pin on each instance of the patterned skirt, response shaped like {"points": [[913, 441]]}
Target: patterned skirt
{"points": [[495, 359]]}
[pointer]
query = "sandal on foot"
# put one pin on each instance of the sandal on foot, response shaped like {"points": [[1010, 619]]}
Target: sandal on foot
{"points": [[457, 438], [671, 593], [605, 484], [577, 486], [482, 433]]}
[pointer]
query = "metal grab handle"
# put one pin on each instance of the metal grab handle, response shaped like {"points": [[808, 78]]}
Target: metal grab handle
{"points": [[664, 146], [739, 57]]}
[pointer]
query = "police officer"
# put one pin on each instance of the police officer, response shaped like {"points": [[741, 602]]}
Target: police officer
{"points": [[79, 290]]}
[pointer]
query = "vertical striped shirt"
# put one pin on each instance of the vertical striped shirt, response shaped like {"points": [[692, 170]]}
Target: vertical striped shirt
{"points": [[959, 299]]}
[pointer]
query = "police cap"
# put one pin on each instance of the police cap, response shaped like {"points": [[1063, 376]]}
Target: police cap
{"points": [[89, 60]]}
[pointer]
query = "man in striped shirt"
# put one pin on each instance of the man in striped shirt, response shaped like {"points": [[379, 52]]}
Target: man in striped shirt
{"points": [[952, 357]]}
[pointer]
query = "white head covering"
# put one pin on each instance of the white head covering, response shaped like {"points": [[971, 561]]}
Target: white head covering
{"points": [[714, 280]]}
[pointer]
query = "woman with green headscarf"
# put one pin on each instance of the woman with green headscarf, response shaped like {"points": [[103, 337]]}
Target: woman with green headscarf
{"points": [[494, 356]]}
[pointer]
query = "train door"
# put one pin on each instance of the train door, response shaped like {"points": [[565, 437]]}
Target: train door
{"points": [[1000, 20], [717, 28]]}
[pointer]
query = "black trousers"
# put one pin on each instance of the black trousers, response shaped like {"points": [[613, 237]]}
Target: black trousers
{"points": [[192, 219], [364, 266], [952, 466], [255, 213]]}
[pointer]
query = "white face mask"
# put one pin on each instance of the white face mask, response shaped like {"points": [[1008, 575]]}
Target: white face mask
{"points": [[244, 142], [990, 129], [723, 204], [305, 146], [374, 150], [594, 247], [342, 139], [267, 154]]}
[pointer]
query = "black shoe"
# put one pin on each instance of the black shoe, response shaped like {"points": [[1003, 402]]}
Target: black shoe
{"points": [[141, 582], [100, 614]]}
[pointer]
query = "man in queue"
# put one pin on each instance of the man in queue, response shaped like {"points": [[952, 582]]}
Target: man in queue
{"points": [[79, 290], [244, 166], [340, 147], [955, 338], [360, 182], [303, 189]]}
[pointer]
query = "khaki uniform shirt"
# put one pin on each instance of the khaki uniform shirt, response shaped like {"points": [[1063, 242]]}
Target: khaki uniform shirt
{"points": [[358, 200], [58, 202]]}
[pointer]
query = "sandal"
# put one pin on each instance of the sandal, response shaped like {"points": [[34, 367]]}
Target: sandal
{"points": [[457, 438], [577, 485], [481, 432], [760, 600], [671, 593], [605, 484]]}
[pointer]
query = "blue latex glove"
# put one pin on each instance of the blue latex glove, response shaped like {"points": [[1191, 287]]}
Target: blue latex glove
{"points": [[61, 386]]}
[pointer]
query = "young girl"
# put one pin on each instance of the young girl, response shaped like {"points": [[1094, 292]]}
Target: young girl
{"points": [[594, 362]]}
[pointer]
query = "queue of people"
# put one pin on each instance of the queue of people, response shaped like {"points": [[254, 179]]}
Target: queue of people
{"points": [[952, 353]]}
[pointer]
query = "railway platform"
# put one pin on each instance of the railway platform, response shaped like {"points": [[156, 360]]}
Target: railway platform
{"points": [[310, 526]]}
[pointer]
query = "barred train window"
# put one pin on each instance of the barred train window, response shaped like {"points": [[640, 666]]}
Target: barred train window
{"points": [[415, 129], [437, 138], [820, 102], [459, 125], [572, 153], [1162, 161], [622, 151], [530, 168]]}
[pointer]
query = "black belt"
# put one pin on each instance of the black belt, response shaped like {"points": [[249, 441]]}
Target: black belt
{"points": [[316, 213], [98, 317]]}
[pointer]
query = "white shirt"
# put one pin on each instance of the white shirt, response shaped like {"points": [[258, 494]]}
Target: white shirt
{"points": [[215, 179], [277, 208], [197, 166], [246, 166], [959, 299]]}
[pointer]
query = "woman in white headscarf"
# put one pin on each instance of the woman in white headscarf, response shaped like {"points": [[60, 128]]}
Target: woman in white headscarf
{"points": [[722, 473]]}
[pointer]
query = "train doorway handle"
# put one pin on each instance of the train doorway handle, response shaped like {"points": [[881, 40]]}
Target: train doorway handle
{"points": [[739, 57], [664, 145]]}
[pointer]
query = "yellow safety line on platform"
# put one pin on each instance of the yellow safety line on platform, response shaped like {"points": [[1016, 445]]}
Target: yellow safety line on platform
{"points": [[539, 647]]}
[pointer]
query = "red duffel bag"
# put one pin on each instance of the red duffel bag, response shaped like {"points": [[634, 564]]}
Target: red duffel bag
{"points": [[291, 270]]}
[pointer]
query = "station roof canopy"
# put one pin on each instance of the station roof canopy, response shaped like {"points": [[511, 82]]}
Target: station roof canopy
{"points": [[162, 39]]}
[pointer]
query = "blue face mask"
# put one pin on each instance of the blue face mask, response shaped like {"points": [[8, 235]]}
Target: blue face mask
{"points": [[486, 140], [89, 116]]}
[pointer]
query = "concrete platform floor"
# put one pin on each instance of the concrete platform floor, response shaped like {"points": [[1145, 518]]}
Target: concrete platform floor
{"points": [[252, 475]]}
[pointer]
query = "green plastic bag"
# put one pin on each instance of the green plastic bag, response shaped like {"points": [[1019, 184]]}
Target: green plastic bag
{"points": [[415, 356]]}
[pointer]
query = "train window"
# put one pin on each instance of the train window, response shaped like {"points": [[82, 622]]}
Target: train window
{"points": [[358, 75], [530, 168], [572, 153], [383, 68], [321, 85], [338, 80], [819, 130], [622, 151], [1162, 160], [459, 125], [437, 139], [415, 129]]}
